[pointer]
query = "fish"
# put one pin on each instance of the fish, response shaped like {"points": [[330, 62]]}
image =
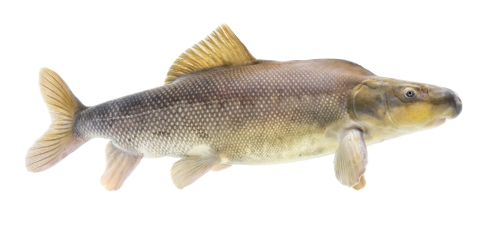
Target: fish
{"points": [[219, 106]]}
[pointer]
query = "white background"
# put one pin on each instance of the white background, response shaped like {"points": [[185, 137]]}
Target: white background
{"points": [[421, 186]]}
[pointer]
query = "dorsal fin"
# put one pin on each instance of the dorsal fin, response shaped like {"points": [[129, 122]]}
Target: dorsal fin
{"points": [[222, 48]]}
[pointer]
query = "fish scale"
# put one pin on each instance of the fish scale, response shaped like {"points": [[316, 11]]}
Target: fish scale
{"points": [[220, 106], [250, 114]]}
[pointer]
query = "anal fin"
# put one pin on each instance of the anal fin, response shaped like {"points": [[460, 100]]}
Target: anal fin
{"points": [[187, 170], [351, 159], [119, 166]]}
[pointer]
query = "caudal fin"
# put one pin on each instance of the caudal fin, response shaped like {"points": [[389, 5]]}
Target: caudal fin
{"points": [[59, 140]]}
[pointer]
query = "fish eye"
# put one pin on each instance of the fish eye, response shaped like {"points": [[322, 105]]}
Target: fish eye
{"points": [[409, 93]]}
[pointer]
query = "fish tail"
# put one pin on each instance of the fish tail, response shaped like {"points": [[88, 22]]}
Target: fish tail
{"points": [[60, 139]]}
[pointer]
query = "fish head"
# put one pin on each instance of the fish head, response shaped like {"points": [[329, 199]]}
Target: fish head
{"points": [[402, 106]]}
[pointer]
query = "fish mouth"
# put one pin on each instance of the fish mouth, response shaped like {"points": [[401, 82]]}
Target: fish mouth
{"points": [[453, 112], [438, 122]]}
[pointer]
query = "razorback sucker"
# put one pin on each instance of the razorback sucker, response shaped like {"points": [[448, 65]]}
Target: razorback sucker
{"points": [[220, 106]]}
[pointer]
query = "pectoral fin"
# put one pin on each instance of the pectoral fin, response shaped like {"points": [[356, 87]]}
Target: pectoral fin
{"points": [[187, 170], [119, 166], [360, 184], [351, 159]]}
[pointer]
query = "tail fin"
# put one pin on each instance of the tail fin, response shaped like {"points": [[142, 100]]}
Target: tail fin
{"points": [[59, 140]]}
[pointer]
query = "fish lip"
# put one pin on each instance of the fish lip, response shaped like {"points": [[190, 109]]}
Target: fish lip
{"points": [[439, 121]]}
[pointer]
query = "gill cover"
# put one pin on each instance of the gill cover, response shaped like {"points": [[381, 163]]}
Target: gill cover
{"points": [[367, 103]]}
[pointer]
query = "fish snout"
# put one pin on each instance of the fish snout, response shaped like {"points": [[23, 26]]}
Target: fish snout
{"points": [[447, 102], [455, 103]]}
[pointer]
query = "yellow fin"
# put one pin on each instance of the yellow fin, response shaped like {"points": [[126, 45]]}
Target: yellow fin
{"points": [[59, 140], [222, 48], [119, 166], [361, 184], [189, 169], [351, 159]]}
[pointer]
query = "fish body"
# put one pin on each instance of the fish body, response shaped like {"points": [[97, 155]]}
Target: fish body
{"points": [[267, 112], [220, 106]]}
